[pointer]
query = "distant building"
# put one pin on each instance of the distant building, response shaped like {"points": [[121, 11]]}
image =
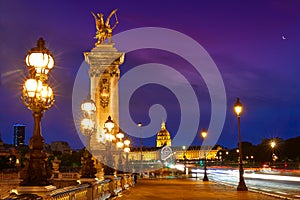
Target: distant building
{"points": [[19, 135], [163, 136], [61, 146], [163, 139]]}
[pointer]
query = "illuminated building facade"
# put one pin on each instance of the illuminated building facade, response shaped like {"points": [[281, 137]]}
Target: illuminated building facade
{"points": [[164, 139], [163, 136]]}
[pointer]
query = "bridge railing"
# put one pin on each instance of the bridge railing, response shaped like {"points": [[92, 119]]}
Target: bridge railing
{"points": [[103, 189], [90, 189], [78, 192]]}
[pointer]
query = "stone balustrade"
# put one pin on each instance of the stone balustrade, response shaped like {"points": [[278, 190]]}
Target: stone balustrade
{"points": [[78, 192], [90, 189]]}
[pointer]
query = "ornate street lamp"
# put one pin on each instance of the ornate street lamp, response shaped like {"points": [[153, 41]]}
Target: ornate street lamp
{"points": [[120, 136], [109, 124], [87, 124], [88, 106], [38, 96], [108, 130], [126, 143], [238, 108], [120, 145], [204, 134], [126, 150]]}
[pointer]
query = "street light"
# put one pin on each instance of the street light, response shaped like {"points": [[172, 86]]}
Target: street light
{"points": [[204, 134], [141, 143], [238, 108], [108, 129], [184, 158], [87, 124], [123, 146], [141, 146], [120, 136], [126, 143], [127, 150], [88, 106], [38, 96], [273, 144], [109, 124]]}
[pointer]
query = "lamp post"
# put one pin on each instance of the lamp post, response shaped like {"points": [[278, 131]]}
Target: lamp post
{"points": [[184, 158], [204, 134], [108, 129], [127, 150], [238, 108], [273, 144], [141, 147], [87, 124], [120, 145], [38, 96]]}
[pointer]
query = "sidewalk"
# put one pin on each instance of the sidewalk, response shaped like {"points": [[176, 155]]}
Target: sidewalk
{"points": [[151, 189]]}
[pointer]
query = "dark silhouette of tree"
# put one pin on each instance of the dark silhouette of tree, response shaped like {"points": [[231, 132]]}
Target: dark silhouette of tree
{"points": [[291, 150]]}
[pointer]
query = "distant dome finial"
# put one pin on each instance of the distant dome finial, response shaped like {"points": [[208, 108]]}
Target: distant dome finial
{"points": [[163, 125]]}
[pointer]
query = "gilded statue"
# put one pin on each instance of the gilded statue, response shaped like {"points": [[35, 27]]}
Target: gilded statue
{"points": [[104, 30]]}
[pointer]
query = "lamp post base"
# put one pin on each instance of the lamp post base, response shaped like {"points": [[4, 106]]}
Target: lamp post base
{"points": [[205, 178], [36, 171], [242, 187]]}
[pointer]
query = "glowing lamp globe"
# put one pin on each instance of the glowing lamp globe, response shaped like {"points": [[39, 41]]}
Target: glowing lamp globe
{"points": [[238, 107], [40, 58], [109, 124], [32, 87], [204, 133], [88, 106], [127, 142]]}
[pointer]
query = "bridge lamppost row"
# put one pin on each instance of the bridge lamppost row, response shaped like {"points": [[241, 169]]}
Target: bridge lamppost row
{"points": [[87, 124], [204, 134], [38, 96], [238, 108]]}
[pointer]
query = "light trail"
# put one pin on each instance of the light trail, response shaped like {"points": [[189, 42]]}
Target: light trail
{"points": [[272, 177], [284, 186]]}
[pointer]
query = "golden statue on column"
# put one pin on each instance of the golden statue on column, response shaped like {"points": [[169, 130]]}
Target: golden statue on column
{"points": [[104, 30]]}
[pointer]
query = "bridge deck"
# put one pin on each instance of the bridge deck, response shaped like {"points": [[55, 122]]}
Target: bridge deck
{"points": [[179, 189]]}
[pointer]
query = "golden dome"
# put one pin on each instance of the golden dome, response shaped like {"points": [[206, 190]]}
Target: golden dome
{"points": [[163, 136], [163, 131]]}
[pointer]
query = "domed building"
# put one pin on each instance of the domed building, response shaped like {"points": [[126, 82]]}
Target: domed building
{"points": [[163, 136]]}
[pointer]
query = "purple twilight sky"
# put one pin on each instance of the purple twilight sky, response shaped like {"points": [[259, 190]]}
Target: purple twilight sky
{"points": [[254, 44]]}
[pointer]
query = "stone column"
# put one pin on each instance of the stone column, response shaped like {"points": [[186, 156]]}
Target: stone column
{"points": [[104, 61]]}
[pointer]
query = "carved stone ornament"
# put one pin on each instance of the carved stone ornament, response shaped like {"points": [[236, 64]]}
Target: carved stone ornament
{"points": [[104, 92]]}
